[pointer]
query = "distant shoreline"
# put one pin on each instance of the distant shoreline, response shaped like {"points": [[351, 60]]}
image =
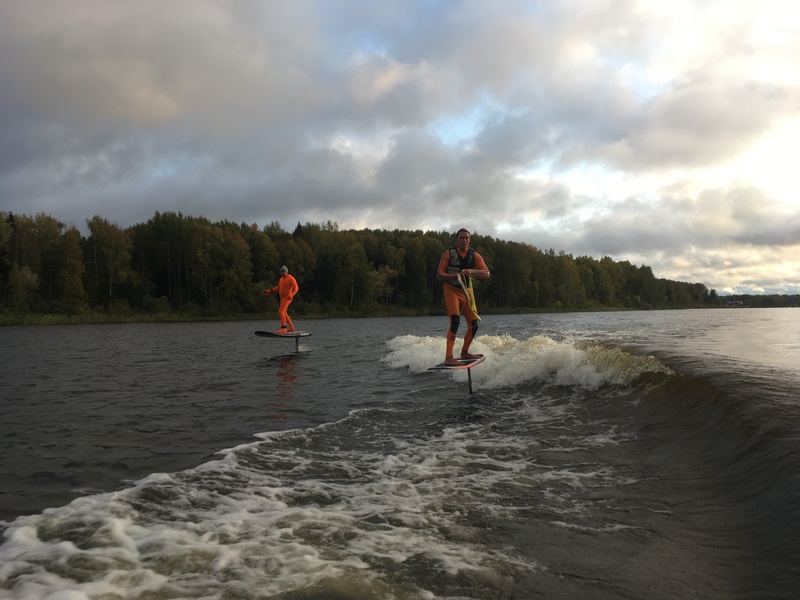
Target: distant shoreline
{"points": [[100, 318]]}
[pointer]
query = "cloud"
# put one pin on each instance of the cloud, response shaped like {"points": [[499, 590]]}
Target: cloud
{"points": [[657, 133]]}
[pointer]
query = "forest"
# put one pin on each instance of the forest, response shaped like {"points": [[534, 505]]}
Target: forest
{"points": [[176, 266]]}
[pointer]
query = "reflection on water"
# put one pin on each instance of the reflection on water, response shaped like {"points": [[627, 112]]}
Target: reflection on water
{"points": [[759, 336], [753, 336], [281, 393]]}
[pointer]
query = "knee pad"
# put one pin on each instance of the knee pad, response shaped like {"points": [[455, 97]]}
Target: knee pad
{"points": [[454, 322], [474, 327]]}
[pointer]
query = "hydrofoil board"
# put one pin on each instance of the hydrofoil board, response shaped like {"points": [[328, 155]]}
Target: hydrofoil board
{"points": [[463, 363], [288, 334]]}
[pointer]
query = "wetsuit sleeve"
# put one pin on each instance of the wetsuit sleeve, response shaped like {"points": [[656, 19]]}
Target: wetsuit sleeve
{"points": [[441, 272], [481, 271]]}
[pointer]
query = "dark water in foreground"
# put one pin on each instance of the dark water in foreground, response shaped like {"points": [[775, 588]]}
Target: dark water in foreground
{"points": [[601, 455]]}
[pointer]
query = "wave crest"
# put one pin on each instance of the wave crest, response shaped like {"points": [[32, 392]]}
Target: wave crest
{"points": [[509, 361]]}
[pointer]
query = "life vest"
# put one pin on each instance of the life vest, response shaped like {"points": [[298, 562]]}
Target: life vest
{"points": [[458, 264]]}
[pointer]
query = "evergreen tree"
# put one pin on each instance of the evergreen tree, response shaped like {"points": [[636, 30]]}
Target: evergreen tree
{"points": [[190, 265]]}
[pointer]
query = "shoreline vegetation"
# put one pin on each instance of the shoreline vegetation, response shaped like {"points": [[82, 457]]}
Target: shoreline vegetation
{"points": [[7, 320], [177, 268], [110, 318]]}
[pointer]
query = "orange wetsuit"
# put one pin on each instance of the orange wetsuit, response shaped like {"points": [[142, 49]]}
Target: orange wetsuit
{"points": [[453, 262], [287, 287]]}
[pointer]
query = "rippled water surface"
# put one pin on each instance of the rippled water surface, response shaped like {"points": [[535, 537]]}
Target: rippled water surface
{"points": [[601, 455]]}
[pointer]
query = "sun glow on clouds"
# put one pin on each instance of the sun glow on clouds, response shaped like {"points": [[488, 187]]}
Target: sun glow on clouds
{"points": [[772, 163]]}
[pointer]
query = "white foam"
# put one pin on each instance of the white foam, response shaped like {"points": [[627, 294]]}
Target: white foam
{"points": [[511, 362]]}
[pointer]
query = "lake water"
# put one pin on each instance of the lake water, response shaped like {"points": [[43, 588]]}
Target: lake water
{"points": [[601, 455]]}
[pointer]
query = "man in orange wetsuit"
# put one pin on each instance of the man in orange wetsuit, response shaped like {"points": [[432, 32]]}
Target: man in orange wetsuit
{"points": [[287, 287], [460, 261]]}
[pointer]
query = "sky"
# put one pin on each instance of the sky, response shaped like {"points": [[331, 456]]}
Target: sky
{"points": [[662, 133]]}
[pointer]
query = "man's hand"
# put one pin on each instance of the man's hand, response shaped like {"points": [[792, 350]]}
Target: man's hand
{"points": [[267, 292]]}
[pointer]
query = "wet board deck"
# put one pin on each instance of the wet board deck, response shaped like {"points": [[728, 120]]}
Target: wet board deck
{"points": [[463, 363], [288, 334]]}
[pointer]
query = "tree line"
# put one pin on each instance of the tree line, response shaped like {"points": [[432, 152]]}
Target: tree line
{"points": [[761, 300], [175, 264]]}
